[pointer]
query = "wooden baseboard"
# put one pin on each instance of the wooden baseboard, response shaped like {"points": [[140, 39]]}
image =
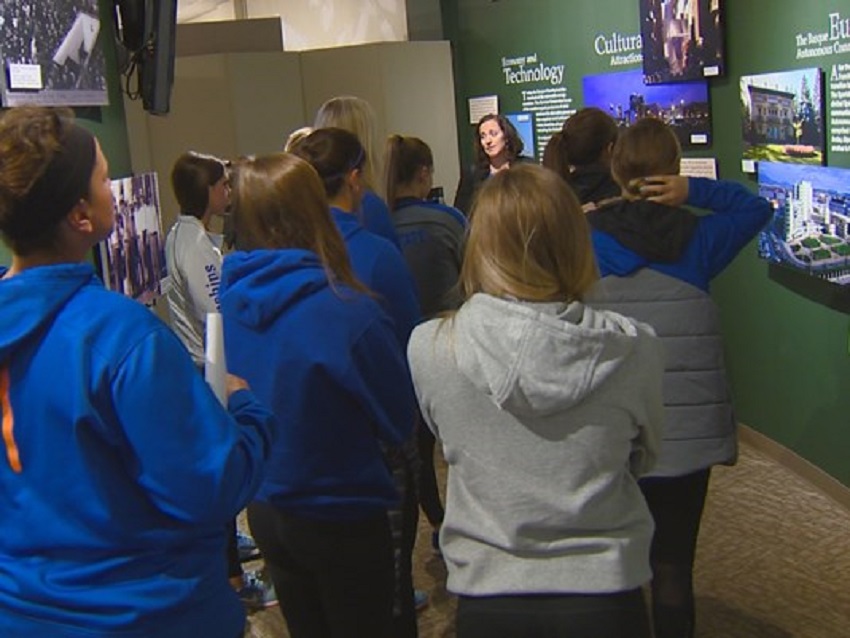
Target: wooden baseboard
{"points": [[807, 471]]}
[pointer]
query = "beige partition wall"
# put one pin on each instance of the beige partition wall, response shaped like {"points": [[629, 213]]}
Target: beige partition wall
{"points": [[233, 104], [409, 84], [228, 105]]}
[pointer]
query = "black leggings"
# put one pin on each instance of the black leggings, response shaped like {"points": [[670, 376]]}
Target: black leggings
{"points": [[619, 615], [429, 493], [332, 579], [234, 565], [676, 504]]}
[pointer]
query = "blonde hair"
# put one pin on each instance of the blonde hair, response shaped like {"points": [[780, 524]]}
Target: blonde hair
{"points": [[356, 116], [279, 202], [647, 147], [295, 138], [528, 239]]}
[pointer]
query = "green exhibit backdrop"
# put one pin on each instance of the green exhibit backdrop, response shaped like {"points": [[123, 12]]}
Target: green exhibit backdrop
{"points": [[787, 354]]}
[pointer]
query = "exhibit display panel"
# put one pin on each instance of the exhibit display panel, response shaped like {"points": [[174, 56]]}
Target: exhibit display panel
{"points": [[535, 60]]}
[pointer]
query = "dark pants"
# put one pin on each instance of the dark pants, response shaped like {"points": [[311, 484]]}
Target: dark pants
{"points": [[234, 566], [429, 493], [333, 579], [620, 615], [403, 523], [676, 504]]}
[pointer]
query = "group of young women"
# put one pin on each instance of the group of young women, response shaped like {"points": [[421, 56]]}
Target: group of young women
{"points": [[579, 416]]}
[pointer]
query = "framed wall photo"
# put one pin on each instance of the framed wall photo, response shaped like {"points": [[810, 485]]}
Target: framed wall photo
{"points": [[682, 40], [52, 53], [782, 116], [684, 106], [810, 228], [132, 258]]}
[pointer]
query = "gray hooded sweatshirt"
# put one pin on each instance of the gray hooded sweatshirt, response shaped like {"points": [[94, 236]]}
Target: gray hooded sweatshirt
{"points": [[547, 413]]}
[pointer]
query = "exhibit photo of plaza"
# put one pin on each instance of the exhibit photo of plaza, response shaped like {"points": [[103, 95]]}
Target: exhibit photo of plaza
{"points": [[782, 116], [810, 228]]}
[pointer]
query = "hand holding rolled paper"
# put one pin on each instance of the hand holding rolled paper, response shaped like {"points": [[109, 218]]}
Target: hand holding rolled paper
{"points": [[215, 366]]}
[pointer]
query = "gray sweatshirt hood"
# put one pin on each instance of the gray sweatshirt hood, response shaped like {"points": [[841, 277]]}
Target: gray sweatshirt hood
{"points": [[535, 359]]}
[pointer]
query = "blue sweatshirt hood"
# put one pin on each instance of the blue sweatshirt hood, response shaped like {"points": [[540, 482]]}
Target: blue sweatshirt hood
{"points": [[31, 300], [347, 223], [260, 285]]}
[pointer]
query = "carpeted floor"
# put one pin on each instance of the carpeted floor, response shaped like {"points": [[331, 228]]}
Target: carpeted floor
{"points": [[773, 562]]}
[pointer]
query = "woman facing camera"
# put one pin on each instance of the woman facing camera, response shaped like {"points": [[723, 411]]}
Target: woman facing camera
{"points": [[548, 411], [120, 474], [498, 146], [320, 351], [657, 261]]}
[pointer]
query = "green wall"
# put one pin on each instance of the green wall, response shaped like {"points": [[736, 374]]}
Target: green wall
{"points": [[107, 122], [787, 355]]}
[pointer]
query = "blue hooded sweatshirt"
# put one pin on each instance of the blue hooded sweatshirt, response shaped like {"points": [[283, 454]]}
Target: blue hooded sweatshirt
{"points": [[698, 248], [381, 267], [121, 469], [327, 361], [375, 216]]}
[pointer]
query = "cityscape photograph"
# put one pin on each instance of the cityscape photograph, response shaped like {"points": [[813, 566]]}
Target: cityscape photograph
{"points": [[624, 96]]}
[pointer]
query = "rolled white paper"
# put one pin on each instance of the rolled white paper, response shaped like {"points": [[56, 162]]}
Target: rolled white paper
{"points": [[215, 366]]}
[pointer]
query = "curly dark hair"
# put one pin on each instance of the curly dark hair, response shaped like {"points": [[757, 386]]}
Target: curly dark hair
{"points": [[30, 137]]}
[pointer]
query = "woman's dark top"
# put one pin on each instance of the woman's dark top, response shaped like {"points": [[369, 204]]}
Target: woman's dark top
{"points": [[471, 180]]}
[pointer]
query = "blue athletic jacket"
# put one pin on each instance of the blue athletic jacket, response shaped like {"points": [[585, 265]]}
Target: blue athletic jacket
{"points": [[375, 217], [381, 267], [326, 359], [700, 251], [120, 468]]}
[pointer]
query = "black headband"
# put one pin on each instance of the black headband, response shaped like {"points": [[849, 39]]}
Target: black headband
{"points": [[64, 182]]}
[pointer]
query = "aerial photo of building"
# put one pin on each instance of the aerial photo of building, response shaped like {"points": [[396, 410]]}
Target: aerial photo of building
{"points": [[810, 230]]}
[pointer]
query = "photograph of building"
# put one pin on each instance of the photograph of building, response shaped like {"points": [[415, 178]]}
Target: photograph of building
{"points": [[810, 229], [782, 116]]}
